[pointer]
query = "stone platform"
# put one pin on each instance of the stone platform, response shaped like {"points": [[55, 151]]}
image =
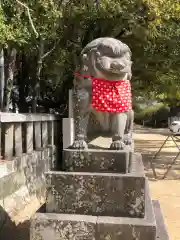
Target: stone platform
{"points": [[103, 194], [73, 226]]}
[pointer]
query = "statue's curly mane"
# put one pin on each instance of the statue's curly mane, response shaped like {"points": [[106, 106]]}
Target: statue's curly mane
{"points": [[103, 43]]}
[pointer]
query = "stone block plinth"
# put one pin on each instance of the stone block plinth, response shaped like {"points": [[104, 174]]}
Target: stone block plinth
{"points": [[49, 226], [96, 160], [129, 228], [56, 226], [103, 194]]}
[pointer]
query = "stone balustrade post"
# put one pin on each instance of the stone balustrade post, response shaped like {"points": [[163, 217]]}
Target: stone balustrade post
{"points": [[18, 139], [9, 132]]}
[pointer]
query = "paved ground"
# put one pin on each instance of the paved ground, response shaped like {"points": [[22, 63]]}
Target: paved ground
{"points": [[166, 191]]}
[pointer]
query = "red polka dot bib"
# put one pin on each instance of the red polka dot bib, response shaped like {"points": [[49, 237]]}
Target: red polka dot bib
{"points": [[111, 96]]}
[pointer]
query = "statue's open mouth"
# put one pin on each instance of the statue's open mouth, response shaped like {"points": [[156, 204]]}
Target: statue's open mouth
{"points": [[117, 71], [107, 68], [113, 71]]}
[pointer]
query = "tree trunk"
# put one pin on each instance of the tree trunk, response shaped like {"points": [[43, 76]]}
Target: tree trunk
{"points": [[1, 78], [23, 81], [9, 77], [36, 90]]}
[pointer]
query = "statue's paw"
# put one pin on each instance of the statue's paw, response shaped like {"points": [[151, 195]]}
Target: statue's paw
{"points": [[128, 141], [117, 145], [79, 144]]}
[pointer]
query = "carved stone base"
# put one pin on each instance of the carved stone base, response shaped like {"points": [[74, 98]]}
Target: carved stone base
{"points": [[103, 194], [53, 226], [96, 160], [129, 228]]}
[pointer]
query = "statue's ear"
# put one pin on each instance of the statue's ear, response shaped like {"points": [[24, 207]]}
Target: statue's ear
{"points": [[84, 62], [85, 68], [98, 54], [85, 58]]}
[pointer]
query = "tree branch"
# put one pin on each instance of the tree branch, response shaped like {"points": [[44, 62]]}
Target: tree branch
{"points": [[121, 33], [29, 16], [50, 51]]}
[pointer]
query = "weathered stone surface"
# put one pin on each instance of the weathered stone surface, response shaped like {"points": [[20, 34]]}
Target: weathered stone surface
{"points": [[136, 164], [68, 132], [24, 178], [28, 170], [4, 168], [53, 160], [10, 183], [29, 137], [115, 229], [45, 226], [95, 194], [18, 139], [112, 228], [13, 204], [44, 157], [8, 150], [62, 227], [96, 160], [37, 135], [162, 233], [44, 134]]}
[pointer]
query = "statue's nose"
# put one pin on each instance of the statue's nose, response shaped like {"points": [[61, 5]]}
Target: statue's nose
{"points": [[117, 65]]}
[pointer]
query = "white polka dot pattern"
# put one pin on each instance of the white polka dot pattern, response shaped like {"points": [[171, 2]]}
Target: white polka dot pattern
{"points": [[111, 96]]}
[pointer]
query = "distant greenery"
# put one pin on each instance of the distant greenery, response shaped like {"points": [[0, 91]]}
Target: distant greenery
{"points": [[156, 115], [49, 39]]}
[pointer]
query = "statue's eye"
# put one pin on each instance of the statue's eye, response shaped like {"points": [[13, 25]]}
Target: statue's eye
{"points": [[98, 54], [106, 51], [110, 53]]}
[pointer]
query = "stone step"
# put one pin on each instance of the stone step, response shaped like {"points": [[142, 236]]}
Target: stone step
{"points": [[10, 183], [5, 168], [162, 232], [97, 160], [103, 194], [15, 212], [56, 226], [24, 170]]}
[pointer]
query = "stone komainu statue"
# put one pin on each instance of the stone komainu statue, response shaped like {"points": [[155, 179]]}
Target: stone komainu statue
{"points": [[101, 85]]}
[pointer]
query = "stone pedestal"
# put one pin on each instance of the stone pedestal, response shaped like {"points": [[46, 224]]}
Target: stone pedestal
{"points": [[96, 160], [74, 226], [101, 194], [68, 132]]}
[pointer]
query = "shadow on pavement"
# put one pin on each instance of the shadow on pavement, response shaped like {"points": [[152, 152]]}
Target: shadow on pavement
{"points": [[10, 231]]}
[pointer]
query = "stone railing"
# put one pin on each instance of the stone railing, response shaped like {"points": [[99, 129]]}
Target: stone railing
{"points": [[25, 133], [29, 147]]}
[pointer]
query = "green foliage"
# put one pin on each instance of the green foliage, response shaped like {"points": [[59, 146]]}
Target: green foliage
{"points": [[156, 115], [149, 27], [149, 111]]}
